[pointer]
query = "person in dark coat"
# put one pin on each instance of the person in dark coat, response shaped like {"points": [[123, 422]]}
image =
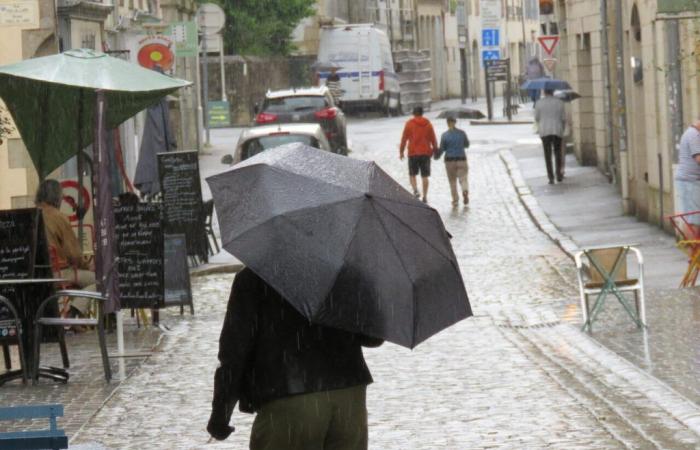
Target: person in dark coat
{"points": [[306, 383]]}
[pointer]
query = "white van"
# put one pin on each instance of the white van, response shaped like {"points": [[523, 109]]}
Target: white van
{"points": [[363, 53]]}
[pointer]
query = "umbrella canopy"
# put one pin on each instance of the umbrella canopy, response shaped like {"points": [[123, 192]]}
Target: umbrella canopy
{"points": [[344, 243], [567, 95], [325, 66], [52, 99], [462, 113], [549, 84]]}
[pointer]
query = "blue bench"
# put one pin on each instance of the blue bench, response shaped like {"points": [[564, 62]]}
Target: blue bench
{"points": [[53, 438]]}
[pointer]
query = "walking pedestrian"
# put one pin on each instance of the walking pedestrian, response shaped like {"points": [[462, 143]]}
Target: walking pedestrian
{"points": [[534, 70], [306, 383], [550, 116], [687, 180], [333, 84], [418, 133], [453, 144]]}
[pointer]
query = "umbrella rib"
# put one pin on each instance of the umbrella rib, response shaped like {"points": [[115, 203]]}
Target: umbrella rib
{"points": [[408, 274], [448, 257]]}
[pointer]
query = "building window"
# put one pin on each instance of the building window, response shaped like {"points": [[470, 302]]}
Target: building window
{"points": [[88, 41]]}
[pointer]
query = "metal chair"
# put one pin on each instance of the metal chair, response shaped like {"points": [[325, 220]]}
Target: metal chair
{"points": [[20, 344], [41, 321], [689, 242], [606, 274]]}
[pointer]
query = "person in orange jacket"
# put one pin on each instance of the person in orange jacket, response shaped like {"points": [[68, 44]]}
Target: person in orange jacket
{"points": [[422, 143]]}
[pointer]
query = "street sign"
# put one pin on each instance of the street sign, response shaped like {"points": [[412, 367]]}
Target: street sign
{"points": [[488, 55], [550, 64], [548, 43], [184, 35], [210, 18], [490, 14], [219, 115], [491, 38], [497, 69]]}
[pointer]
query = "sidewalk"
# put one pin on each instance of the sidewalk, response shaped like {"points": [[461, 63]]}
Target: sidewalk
{"points": [[586, 210]]}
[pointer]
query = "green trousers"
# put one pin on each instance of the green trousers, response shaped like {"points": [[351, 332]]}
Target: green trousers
{"points": [[329, 420]]}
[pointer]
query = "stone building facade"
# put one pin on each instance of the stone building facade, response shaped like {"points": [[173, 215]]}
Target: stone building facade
{"points": [[640, 91]]}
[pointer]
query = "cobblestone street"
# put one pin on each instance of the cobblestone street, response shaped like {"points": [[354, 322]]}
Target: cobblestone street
{"points": [[517, 375]]}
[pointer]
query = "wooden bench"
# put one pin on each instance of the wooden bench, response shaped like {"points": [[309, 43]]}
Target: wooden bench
{"points": [[53, 438]]}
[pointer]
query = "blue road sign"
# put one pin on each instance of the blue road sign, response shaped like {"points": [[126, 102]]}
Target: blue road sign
{"points": [[491, 37], [487, 55]]}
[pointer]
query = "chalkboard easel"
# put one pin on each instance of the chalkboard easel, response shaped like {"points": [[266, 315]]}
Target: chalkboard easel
{"points": [[178, 290]]}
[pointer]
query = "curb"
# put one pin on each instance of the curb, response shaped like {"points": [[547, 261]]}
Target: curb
{"points": [[500, 122], [533, 208], [212, 269]]}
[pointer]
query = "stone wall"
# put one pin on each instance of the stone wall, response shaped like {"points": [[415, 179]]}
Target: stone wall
{"points": [[248, 78]]}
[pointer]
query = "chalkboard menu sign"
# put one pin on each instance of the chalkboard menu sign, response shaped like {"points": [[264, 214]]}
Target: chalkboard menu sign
{"points": [[140, 249], [182, 199], [23, 254], [178, 290], [17, 239]]}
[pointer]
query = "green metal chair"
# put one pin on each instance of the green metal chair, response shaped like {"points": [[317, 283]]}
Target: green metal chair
{"points": [[602, 271]]}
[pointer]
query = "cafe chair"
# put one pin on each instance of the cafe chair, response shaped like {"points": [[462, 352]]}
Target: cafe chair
{"points": [[602, 272], [4, 302], [208, 213], [42, 321]]}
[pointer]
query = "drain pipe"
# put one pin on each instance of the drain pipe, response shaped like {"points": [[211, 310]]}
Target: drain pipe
{"points": [[675, 97], [621, 108], [607, 98]]}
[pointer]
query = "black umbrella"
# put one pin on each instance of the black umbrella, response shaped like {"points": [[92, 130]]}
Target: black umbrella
{"points": [[462, 113], [567, 95], [344, 243]]}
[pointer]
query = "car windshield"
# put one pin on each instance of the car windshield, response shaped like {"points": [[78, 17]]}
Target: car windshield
{"points": [[295, 104], [258, 145]]}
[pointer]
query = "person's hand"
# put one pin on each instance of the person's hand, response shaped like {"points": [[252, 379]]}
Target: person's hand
{"points": [[401, 156], [219, 431]]}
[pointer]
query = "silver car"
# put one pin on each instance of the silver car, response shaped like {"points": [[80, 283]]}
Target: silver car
{"points": [[258, 139]]}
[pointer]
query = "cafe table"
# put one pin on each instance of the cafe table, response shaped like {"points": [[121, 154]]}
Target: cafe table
{"points": [[25, 306]]}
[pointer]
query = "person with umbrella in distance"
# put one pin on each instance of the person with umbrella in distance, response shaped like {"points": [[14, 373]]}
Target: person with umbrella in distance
{"points": [[418, 133], [453, 144], [333, 84], [338, 256], [533, 71], [550, 116]]}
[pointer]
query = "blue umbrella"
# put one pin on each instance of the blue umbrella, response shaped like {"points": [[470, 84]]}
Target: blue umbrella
{"points": [[546, 84]]}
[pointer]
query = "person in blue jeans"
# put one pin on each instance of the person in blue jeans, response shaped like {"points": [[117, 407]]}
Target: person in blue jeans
{"points": [[453, 143]]}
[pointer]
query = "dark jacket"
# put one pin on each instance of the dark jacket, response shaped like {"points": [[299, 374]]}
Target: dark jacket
{"points": [[268, 350]]}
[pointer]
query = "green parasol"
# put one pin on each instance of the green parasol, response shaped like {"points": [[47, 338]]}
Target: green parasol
{"points": [[52, 100]]}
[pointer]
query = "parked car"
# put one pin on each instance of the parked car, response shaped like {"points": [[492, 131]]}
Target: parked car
{"points": [[307, 105], [367, 76], [258, 139]]}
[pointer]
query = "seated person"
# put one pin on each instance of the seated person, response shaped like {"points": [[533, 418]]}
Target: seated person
{"points": [[61, 237]]}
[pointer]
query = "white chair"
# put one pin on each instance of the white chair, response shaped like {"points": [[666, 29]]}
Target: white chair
{"points": [[602, 271]]}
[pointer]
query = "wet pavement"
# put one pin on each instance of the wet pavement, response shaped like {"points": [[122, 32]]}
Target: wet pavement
{"points": [[518, 375]]}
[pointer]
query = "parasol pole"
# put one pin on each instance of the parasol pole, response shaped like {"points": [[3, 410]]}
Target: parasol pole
{"points": [[79, 157], [105, 256]]}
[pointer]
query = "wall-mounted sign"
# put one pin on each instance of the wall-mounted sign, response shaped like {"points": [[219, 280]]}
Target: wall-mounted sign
{"points": [[156, 50], [184, 37], [677, 6], [19, 13]]}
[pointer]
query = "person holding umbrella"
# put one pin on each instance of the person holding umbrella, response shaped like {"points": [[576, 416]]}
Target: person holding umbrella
{"points": [[418, 133], [306, 383], [550, 116], [337, 251]]}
